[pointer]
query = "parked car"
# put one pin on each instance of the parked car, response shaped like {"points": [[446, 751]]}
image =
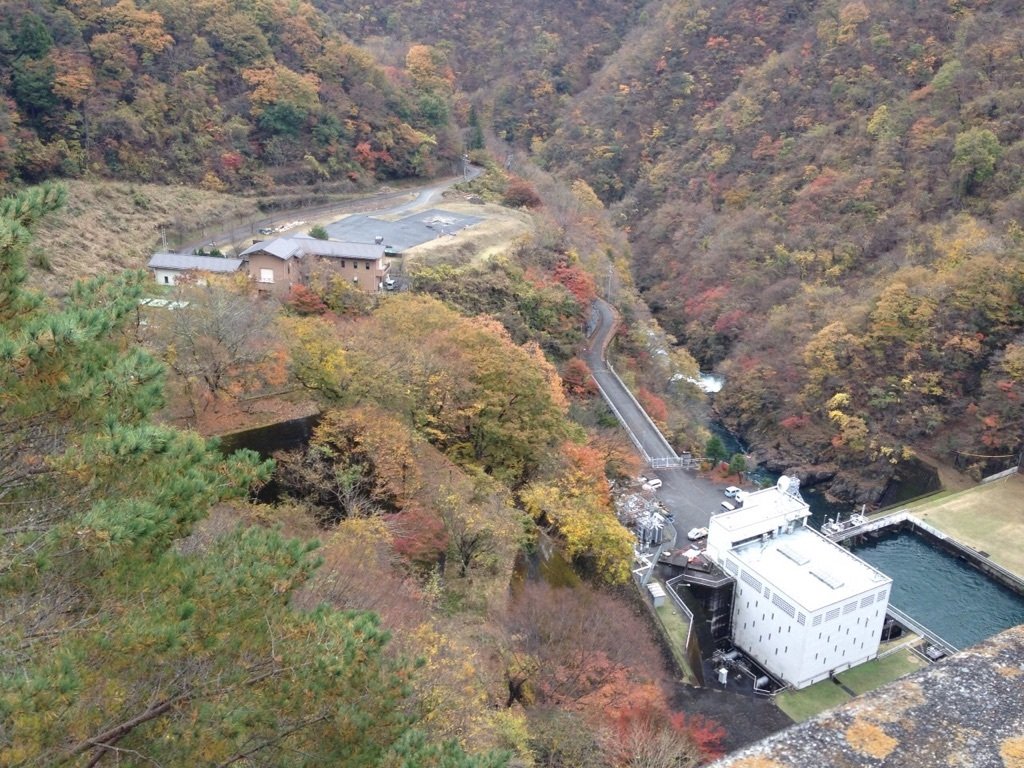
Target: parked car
{"points": [[389, 283], [695, 534], [727, 507], [733, 492], [655, 483]]}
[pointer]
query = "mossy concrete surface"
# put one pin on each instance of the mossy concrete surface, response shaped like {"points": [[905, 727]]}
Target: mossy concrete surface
{"points": [[676, 626]]}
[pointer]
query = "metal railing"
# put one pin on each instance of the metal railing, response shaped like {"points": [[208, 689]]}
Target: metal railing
{"points": [[636, 440], [673, 461], [920, 629]]}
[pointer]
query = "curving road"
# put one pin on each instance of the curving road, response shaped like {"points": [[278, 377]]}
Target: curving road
{"points": [[636, 420], [690, 498]]}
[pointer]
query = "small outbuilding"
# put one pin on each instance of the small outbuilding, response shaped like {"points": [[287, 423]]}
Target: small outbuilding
{"points": [[167, 268]]}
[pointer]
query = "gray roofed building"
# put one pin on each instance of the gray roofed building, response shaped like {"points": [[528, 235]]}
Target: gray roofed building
{"points": [[182, 262], [278, 264], [283, 248], [286, 248], [168, 267]]}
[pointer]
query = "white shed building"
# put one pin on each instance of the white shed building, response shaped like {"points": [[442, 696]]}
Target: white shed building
{"points": [[803, 607], [168, 267]]}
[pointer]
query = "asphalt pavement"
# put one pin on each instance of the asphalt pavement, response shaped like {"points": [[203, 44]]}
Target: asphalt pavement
{"points": [[690, 498]]}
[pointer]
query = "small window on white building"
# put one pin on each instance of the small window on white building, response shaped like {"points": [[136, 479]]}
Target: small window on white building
{"points": [[266, 275], [167, 280]]}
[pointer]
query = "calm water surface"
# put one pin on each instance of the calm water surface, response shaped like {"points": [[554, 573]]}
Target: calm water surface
{"points": [[955, 601]]}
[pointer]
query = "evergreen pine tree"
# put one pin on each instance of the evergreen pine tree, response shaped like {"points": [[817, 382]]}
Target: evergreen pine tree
{"points": [[128, 638]]}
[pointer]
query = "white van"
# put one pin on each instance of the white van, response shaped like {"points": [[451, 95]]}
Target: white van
{"points": [[727, 507], [655, 483]]}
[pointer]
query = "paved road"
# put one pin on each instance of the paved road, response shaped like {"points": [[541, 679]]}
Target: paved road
{"points": [[691, 499], [636, 420]]}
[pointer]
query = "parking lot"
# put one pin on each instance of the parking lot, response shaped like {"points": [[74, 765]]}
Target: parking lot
{"points": [[689, 497]]}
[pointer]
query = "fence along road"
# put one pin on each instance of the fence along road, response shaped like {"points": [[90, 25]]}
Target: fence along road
{"points": [[647, 438], [692, 499]]}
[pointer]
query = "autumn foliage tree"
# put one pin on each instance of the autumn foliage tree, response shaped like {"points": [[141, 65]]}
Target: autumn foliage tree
{"points": [[123, 639], [568, 652], [462, 383], [213, 95], [575, 503], [359, 462]]}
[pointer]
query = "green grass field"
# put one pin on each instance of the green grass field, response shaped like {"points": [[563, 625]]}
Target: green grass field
{"points": [[804, 704], [988, 517], [801, 705], [875, 673]]}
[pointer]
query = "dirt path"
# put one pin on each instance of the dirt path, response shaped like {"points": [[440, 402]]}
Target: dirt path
{"points": [[951, 478]]}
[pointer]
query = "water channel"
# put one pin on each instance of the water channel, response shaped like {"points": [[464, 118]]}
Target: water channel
{"points": [[954, 600]]}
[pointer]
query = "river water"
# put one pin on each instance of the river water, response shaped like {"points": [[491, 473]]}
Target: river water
{"points": [[955, 601]]}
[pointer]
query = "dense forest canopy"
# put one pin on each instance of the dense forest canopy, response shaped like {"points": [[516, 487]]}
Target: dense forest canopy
{"points": [[224, 94], [823, 199]]}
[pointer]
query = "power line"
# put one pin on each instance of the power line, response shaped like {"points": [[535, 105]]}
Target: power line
{"points": [[986, 456]]}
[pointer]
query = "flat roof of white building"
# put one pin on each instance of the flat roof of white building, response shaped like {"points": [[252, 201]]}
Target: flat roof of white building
{"points": [[762, 511], [808, 568]]}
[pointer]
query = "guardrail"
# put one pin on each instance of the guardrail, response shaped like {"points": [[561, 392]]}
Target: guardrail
{"points": [[667, 463], [673, 461], [920, 629], [636, 440], [650, 422]]}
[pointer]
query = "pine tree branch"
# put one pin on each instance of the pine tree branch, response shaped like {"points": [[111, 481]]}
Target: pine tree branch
{"points": [[112, 735], [271, 742]]}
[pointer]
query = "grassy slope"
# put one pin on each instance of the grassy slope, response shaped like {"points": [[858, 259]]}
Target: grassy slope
{"points": [[989, 518], [109, 226]]}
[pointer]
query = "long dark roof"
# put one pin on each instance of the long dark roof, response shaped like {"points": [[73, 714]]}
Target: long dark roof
{"points": [[183, 262], [286, 248]]}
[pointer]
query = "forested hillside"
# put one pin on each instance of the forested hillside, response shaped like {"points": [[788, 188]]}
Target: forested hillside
{"points": [[518, 64], [822, 199], [223, 94]]}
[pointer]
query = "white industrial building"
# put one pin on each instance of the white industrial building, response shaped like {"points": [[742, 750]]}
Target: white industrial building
{"points": [[803, 607]]}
